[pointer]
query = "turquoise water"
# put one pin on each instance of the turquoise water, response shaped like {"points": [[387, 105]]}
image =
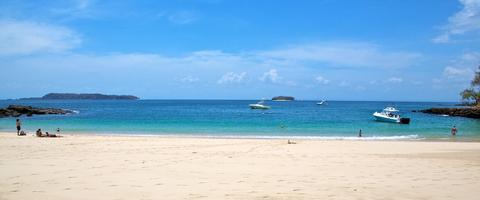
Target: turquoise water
{"points": [[338, 119]]}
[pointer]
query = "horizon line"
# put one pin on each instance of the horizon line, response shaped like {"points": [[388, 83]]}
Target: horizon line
{"points": [[218, 99]]}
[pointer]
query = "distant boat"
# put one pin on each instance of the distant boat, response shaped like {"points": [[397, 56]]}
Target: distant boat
{"points": [[323, 102], [259, 105], [389, 115]]}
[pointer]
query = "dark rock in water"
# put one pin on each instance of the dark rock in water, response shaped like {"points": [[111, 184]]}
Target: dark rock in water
{"points": [[283, 98], [470, 112], [19, 110]]}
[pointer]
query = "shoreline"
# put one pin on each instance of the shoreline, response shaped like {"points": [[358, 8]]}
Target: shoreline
{"points": [[405, 138]]}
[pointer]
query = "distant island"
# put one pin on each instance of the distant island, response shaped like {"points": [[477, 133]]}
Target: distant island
{"points": [[283, 98], [85, 96]]}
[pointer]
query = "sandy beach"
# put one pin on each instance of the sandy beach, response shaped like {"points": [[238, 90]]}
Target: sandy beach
{"points": [[132, 167]]}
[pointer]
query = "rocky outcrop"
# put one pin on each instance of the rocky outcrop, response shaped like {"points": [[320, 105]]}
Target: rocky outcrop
{"points": [[283, 98], [18, 110], [95, 96], [470, 112]]}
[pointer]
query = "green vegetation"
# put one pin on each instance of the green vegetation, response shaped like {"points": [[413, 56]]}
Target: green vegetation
{"points": [[89, 96], [283, 98], [472, 94]]}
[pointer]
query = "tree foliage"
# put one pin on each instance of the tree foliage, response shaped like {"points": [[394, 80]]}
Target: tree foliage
{"points": [[476, 79], [468, 95], [472, 94]]}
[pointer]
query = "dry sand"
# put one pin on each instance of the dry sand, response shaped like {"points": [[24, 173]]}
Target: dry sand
{"points": [[127, 167]]}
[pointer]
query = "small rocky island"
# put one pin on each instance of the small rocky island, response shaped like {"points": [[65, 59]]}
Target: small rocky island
{"points": [[19, 110], [469, 112], [82, 96], [283, 98]]}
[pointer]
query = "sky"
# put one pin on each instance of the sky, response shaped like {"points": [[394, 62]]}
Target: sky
{"points": [[388, 50]]}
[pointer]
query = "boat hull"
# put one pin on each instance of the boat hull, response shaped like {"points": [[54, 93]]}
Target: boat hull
{"points": [[382, 118], [256, 106]]}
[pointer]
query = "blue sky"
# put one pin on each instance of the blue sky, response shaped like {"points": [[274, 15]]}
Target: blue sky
{"points": [[213, 49]]}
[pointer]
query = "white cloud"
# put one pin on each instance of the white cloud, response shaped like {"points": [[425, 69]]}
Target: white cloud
{"points": [[463, 67], [189, 79], [443, 38], [207, 65], [360, 88], [28, 38], [436, 80], [452, 72], [394, 80], [344, 84], [271, 76], [291, 83], [182, 17], [416, 82], [343, 54], [54, 11], [322, 80], [71, 10], [232, 77], [23, 37], [471, 57], [464, 21], [83, 4]]}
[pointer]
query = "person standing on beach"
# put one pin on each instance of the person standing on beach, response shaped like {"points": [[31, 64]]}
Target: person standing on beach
{"points": [[454, 131], [360, 133], [19, 126]]}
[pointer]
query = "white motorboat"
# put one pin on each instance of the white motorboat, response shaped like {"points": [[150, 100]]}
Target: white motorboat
{"points": [[389, 115], [259, 105], [323, 102]]}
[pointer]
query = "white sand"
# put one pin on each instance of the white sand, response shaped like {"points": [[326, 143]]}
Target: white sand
{"points": [[120, 167]]}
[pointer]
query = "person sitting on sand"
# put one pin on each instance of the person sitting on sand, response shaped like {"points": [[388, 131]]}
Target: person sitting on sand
{"points": [[454, 131], [39, 133]]}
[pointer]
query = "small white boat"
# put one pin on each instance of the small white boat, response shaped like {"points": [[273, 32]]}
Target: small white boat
{"points": [[389, 115], [323, 102], [259, 105]]}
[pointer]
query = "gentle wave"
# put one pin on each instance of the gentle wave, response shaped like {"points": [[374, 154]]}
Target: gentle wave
{"points": [[73, 111], [350, 138], [398, 137]]}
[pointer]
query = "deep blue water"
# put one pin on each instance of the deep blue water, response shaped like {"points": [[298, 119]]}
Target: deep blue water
{"points": [[235, 118]]}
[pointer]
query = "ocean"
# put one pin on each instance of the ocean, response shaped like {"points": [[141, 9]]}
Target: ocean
{"points": [[233, 118]]}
